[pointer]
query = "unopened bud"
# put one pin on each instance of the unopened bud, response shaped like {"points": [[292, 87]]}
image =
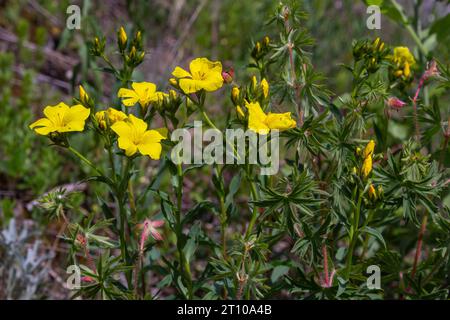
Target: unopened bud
{"points": [[235, 95], [228, 75], [266, 41], [122, 39], [265, 87], [395, 103]]}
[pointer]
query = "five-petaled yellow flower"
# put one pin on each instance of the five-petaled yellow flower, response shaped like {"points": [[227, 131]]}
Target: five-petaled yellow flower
{"points": [[61, 118], [262, 123], [134, 136], [111, 115], [142, 92], [204, 75]]}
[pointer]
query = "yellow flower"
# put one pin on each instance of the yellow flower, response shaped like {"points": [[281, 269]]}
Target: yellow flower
{"points": [[367, 166], [204, 74], [404, 60], [61, 118], [368, 150], [111, 115], [134, 136], [142, 92], [262, 123], [402, 55], [265, 87]]}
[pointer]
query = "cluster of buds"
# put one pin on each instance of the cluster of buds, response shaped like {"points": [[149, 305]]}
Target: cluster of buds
{"points": [[259, 90], [106, 118], [371, 53], [261, 48], [135, 54], [237, 100], [98, 47], [168, 102]]}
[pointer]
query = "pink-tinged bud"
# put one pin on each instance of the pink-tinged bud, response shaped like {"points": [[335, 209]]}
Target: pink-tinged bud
{"points": [[432, 70], [395, 103], [87, 279], [228, 75]]}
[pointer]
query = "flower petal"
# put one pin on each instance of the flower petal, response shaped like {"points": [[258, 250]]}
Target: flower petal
{"points": [[45, 126], [257, 118], [122, 129], [127, 145], [130, 97], [181, 73], [204, 66], [280, 121], [138, 124], [56, 113], [153, 150], [190, 86], [76, 113]]}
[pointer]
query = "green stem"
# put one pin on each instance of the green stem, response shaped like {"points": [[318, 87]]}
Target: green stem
{"points": [[86, 161], [255, 210], [353, 236], [184, 265], [410, 29]]}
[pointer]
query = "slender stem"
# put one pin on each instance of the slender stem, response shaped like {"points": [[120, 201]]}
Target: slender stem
{"points": [[353, 235], [410, 29], [255, 210], [296, 86], [325, 264], [419, 244], [111, 163], [82, 158], [184, 265]]}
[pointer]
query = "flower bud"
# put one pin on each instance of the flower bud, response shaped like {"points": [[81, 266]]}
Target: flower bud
{"points": [[235, 95], [84, 97], [98, 47], [256, 52], [265, 87], [132, 54], [254, 84], [372, 192], [266, 41], [122, 39], [173, 82], [395, 103], [228, 75]]}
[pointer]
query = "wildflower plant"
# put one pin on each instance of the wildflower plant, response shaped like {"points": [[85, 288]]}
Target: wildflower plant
{"points": [[347, 192]]}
